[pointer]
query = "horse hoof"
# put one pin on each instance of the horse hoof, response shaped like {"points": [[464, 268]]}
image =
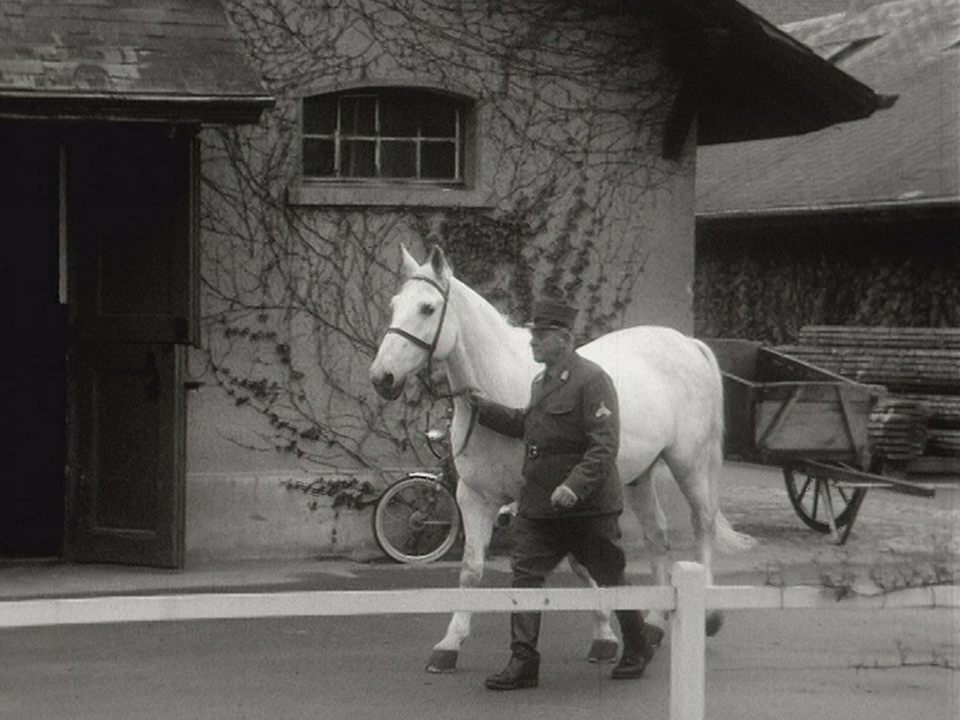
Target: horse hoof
{"points": [[442, 661], [654, 635], [714, 623], [602, 651]]}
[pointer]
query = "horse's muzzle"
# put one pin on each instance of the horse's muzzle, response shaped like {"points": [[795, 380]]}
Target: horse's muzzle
{"points": [[386, 387]]}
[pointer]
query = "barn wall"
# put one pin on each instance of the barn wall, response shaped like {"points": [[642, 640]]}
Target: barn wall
{"points": [[566, 189]]}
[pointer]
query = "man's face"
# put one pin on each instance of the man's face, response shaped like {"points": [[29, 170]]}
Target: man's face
{"points": [[549, 344]]}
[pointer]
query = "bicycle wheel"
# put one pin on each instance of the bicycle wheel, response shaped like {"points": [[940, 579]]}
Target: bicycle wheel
{"points": [[416, 520]]}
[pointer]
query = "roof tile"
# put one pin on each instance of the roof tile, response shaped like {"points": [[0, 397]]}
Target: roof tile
{"points": [[152, 47], [906, 153]]}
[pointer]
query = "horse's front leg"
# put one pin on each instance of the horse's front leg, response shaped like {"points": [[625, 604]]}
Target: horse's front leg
{"points": [[604, 647], [478, 520]]}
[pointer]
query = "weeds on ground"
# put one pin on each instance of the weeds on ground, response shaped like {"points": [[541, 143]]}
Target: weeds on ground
{"points": [[938, 567]]}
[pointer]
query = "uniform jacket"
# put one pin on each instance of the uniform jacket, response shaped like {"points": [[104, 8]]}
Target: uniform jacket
{"points": [[572, 434]]}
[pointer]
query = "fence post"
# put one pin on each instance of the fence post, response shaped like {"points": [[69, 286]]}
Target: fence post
{"points": [[688, 643]]}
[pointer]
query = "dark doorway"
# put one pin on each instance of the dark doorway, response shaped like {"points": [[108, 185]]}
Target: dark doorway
{"points": [[98, 290], [33, 360]]}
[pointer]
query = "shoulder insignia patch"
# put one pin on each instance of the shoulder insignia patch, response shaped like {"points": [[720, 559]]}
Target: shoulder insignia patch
{"points": [[603, 411]]}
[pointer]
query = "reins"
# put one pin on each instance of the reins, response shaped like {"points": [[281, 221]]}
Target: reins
{"points": [[431, 348], [474, 415]]}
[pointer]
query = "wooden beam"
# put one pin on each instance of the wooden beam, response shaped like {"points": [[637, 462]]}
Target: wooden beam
{"points": [[697, 54], [686, 107]]}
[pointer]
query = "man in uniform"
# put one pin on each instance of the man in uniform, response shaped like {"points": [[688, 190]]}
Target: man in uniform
{"points": [[572, 497]]}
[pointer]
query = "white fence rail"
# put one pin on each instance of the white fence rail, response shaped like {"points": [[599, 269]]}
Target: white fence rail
{"points": [[689, 598]]}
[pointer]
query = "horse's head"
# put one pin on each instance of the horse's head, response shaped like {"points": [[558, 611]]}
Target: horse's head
{"points": [[421, 328]]}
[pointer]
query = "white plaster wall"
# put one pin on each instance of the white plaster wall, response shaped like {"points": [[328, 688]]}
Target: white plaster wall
{"points": [[239, 503]]}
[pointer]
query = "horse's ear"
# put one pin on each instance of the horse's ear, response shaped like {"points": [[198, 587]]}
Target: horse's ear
{"points": [[438, 261], [410, 265]]}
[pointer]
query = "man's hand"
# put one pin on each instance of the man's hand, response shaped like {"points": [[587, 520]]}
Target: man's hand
{"points": [[563, 497]]}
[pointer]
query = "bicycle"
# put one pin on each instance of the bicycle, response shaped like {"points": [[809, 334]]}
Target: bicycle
{"points": [[417, 519]]}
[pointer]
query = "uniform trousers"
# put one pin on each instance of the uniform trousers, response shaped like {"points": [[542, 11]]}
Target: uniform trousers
{"points": [[539, 544]]}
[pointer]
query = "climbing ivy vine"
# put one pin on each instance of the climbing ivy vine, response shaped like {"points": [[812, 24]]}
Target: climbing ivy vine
{"points": [[573, 97]]}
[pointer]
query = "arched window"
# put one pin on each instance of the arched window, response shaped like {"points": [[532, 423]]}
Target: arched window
{"points": [[384, 134]]}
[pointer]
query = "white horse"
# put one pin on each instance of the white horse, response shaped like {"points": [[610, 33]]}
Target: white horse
{"points": [[671, 409]]}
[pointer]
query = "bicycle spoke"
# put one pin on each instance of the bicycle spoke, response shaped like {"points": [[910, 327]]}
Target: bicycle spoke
{"points": [[417, 520]]}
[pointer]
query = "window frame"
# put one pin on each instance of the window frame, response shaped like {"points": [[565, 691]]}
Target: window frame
{"points": [[460, 140]]}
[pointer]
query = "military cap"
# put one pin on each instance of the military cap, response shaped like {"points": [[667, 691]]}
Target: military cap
{"points": [[552, 314]]}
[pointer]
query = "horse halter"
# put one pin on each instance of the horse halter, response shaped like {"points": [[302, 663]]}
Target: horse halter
{"points": [[431, 346]]}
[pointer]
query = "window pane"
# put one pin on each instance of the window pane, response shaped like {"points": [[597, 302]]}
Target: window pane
{"points": [[439, 120], [357, 159], [398, 159], [395, 133], [319, 115], [399, 117], [437, 161], [358, 115], [318, 158]]}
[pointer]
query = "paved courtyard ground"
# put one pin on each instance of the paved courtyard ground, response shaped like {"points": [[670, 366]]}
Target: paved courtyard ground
{"points": [[781, 665]]}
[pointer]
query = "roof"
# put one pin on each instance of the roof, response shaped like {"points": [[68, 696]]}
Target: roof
{"points": [[177, 60], [781, 12], [163, 60], [904, 156], [755, 81]]}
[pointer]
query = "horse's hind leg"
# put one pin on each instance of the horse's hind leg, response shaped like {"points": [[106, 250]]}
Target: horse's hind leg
{"points": [[604, 647], [641, 495], [478, 519], [697, 483]]}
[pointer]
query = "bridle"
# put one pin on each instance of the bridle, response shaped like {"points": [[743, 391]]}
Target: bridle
{"points": [[431, 348]]}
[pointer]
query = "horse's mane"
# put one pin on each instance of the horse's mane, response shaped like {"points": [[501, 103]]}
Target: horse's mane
{"points": [[496, 351]]}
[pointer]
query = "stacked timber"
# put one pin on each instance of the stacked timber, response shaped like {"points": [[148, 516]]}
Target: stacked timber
{"points": [[900, 369], [897, 428], [835, 336], [919, 367], [942, 410]]}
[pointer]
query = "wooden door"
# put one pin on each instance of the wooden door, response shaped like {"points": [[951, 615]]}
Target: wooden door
{"points": [[129, 481], [131, 223]]}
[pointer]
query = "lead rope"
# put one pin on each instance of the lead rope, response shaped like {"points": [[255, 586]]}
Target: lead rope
{"points": [[474, 414]]}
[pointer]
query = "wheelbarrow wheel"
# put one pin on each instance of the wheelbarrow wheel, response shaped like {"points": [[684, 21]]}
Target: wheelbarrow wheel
{"points": [[812, 497]]}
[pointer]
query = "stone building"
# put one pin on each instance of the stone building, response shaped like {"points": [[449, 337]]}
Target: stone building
{"points": [[214, 231]]}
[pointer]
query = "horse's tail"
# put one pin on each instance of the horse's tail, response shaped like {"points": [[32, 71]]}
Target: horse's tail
{"points": [[726, 539], [716, 409]]}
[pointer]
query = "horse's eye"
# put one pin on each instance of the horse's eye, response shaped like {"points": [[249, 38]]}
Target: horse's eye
{"points": [[427, 310]]}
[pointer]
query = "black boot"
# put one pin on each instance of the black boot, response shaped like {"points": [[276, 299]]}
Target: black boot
{"points": [[637, 651], [518, 674], [523, 670]]}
